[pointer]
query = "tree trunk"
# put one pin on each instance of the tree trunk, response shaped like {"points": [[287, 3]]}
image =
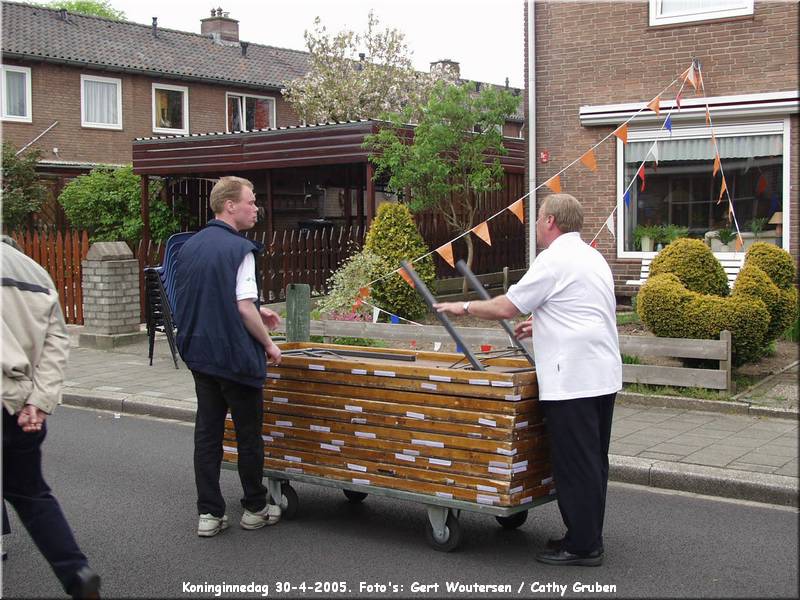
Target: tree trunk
{"points": [[470, 256]]}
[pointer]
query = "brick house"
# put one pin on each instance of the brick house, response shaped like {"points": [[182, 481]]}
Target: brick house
{"points": [[594, 64]]}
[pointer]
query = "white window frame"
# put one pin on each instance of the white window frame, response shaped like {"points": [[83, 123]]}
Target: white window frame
{"points": [[743, 8], [693, 132], [90, 124], [245, 96], [28, 118], [185, 107]]}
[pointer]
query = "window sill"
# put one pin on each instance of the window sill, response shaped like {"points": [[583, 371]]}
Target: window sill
{"points": [[101, 126], [17, 119], [171, 131]]}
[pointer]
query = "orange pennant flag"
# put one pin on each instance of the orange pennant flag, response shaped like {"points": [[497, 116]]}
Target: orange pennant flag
{"points": [[357, 303], [722, 189], [446, 252], [690, 77], [622, 133], [655, 104], [708, 117], [739, 243], [363, 292], [716, 165], [761, 186], [402, 272], [589, 160], [554, 183], [482, 231], [518, 208]]}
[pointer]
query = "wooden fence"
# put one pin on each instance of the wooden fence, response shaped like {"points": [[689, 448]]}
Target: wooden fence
{"points": [[60, 253], [718, 350]]}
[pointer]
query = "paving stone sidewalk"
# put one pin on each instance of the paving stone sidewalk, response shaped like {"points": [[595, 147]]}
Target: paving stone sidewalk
{"points": [[703, 451]]}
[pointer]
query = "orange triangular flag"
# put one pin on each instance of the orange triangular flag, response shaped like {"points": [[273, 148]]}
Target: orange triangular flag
{"points": [[622, 133], [482, 231], [363, 292], [518, 208], [554, 183], [716, 165], [690, 77], [446, 252], [655, 104], [402, 272], [357, 303], [589, 160], [708, 117], [739, 242], [722, 189]]}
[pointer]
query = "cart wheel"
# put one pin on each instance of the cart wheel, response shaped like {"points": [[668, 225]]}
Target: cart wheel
{"points": [[452, 535], [513, 521], [289, 502], [355, 497]]}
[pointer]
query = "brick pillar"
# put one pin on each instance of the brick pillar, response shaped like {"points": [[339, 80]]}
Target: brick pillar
{"points": [[110, 296]]}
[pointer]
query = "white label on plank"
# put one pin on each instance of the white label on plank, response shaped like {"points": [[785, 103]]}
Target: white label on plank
{"points": [[280, 399], [440, 461], [330, 447], [479, 382], [276, 433], [337, 442], [442, 378], [488, 422], [294, 459], [521, 425], [358, 371], [365, 434], [505, 452], [552, 492], [520, 469], [526, 499], [486, 488], [473, 434], [513, 397], [498, 463], [502, 384], [411, 452], [405, 457], [547, 480], [499, 471], [321, 428], [444, 495], [267, 438], [415, 415], [523, 463], [317, 367], [358, 421], [230, 449], [450, 481], [353, 408], [429, 386], [516, 490], [437, 346], [361, 481], [428, 443], [484, 499], [384, 373], [283, 423], [273, 375], [294, 470], [359, 468]]}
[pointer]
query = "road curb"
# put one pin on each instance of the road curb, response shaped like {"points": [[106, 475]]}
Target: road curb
{"points": [[162, 408], [731, 407]]}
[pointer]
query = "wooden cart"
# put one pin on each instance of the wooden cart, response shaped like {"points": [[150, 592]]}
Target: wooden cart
{"points": [[418, 426]]}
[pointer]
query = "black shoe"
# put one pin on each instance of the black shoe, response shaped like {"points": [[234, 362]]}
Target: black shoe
{"points": [[86, 584], [554, 543], [562, 557]]}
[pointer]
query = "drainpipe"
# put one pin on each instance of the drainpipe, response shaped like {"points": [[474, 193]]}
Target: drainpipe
{"points": [[531, 50]]}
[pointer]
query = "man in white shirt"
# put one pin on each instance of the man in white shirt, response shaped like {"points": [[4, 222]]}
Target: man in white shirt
{"points": [[569, 291]]}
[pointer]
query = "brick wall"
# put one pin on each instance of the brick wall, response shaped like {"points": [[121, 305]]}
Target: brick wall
{"points": [[593, 53], [56, 96]]}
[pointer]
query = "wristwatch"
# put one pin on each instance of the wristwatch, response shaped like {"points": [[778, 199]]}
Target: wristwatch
{"points": [[466, 308]]}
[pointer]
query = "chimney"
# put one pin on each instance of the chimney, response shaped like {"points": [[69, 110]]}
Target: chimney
{"points": [[62, 14], [220, 25], [446, 69], [244, 46], [155, 26]]}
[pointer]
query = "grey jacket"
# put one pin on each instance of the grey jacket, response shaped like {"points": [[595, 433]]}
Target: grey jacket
{"points": [[35, 343]]}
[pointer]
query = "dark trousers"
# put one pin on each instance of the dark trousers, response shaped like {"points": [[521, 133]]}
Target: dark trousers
{"points": [[215, 396], [580, 434], [25, 489]]}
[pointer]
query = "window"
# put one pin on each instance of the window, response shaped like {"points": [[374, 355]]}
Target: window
{"points": [[16, 94], [170, 108], [681, 190], [101, 102], [247, 113], [667, 12]]}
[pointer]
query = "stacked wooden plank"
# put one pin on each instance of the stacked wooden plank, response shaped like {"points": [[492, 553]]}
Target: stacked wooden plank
{"points": [[425, 426]]}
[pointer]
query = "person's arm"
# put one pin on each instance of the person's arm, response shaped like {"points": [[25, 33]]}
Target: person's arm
{"points": [[270, 318], [251, 318], [494, 309], [48, 373]]}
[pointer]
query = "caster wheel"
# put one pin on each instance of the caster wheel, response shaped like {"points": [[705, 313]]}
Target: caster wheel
{"points": [[289, 502], [513, 521], [451, 538], [355, 497]]}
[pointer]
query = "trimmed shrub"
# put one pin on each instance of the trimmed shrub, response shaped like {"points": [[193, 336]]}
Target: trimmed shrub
{"points": [[754, 282], [356, 272], [694, 264], [776, 262], [394, 237], [660, 305]]}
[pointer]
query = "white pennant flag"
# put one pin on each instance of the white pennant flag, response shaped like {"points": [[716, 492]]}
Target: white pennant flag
{"points": [[376, 312], [654, 152], [610, 225]]}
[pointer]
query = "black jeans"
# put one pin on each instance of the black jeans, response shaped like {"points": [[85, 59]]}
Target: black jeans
{"points": [[215, 396], [580, 434], [25, 489]]}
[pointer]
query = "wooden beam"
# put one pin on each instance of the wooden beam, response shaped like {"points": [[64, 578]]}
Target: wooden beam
{"points": [[145, 208], [270, 221], [370, 193]]}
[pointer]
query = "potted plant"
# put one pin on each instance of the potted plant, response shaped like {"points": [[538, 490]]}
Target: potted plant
{"points": [[670, 233], [757, 225], [644, 236], [725, 236]]}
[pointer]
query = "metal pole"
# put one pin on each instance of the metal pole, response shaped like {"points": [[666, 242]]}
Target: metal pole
{"points": [[26, 146], [423, 291], [484, 295]]}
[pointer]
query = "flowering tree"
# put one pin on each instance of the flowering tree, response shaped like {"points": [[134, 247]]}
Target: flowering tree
{"points": [[356, 75]]}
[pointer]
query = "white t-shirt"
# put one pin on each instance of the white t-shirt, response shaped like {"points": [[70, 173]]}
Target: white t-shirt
{"points": [[246, 288], [569, 290]]}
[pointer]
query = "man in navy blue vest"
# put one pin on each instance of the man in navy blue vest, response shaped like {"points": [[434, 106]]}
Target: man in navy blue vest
{"points": [[223, 338]]}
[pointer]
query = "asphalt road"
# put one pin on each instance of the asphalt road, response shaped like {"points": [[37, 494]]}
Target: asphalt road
{"points": [[127, 487]]}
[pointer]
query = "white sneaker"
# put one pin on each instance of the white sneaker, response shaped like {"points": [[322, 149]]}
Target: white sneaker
{"points": [[269, 515], [209, 525]]}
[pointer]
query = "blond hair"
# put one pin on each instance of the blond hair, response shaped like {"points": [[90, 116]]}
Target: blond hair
{"points": [[227, 188], [565, 209]]}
